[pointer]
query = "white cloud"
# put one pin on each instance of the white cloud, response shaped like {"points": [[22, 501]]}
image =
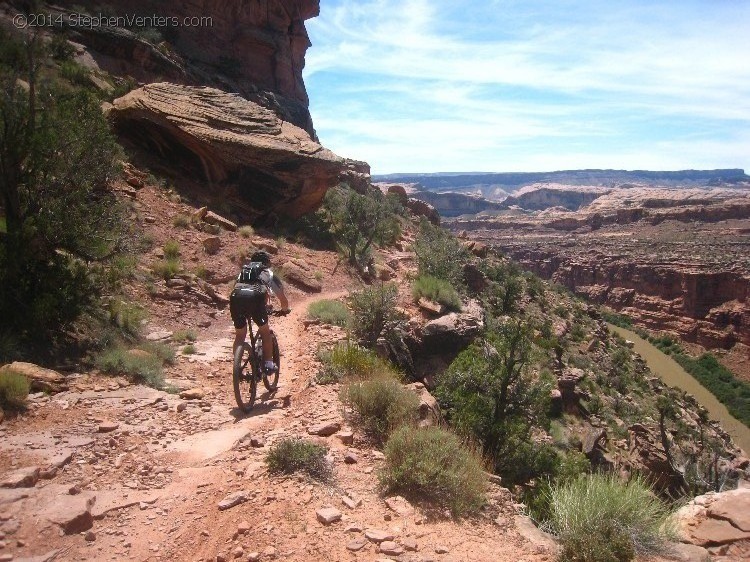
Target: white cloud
{"points": [[457, 78]]}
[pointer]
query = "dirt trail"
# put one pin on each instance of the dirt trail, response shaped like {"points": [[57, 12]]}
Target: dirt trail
{"points": [[157, 478]]}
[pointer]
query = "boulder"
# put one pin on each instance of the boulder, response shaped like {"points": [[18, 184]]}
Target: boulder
{"points": [[266, 165], [40, 379], [21, 478], [454, 331], [212, 244], [299, 275], [71, 513], [328, 515], [218, 220], [423, 209]]}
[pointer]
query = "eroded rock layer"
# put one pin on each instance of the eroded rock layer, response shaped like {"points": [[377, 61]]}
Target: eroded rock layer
{"points": [[264, 164]]}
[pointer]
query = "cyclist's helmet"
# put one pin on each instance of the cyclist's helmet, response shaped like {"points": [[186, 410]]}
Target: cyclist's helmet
{"points": [[262, 257]]}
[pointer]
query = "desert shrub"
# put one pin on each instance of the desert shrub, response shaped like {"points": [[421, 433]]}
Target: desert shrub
{"points": [[181, 221], [346, 361], [189, 349], [172, 250], [439, 254], [59, 48], [298, 455], [432, 465], [201, 272], [128, 317], [14, 388], [75, 73], [329, 312], [184, 336], [437, 290], [163, 351], [380, 406], [65, 226], [374, 313], [166, 269], [246, 231], [139, 365], [599, 518], [357, 221], [488, 394]]}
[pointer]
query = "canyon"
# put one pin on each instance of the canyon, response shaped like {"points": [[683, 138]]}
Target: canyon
{"points": [[675, 260]]}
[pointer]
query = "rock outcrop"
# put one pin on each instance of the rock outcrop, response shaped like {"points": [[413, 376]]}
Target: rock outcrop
{"points": [[254, 48], [718, 522], [266, 165]]}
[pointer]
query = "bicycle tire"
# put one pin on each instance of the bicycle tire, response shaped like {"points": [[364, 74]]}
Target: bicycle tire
{"points": [[272, 381], [245, 387]]}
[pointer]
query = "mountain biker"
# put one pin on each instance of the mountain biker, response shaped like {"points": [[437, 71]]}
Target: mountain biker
{"points": [[255, 284]]}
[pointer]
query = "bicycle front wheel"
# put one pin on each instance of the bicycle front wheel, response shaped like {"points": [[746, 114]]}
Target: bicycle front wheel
{"points": [[243, 377], [271, 380]]}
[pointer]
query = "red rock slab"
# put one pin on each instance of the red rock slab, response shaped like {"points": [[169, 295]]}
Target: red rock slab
{"points": [[715, 531], [734, 508]]}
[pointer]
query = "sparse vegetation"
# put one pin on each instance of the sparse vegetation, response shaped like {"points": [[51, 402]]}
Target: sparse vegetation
{"points": [[298, 455], [137, 364], [128, 317], [432, 466], [437, 290], [189, 349], [439, 254], [329, 312], [374, 313], [380, 406], [598, 518], [184, 336], [246, 231], [181, 220], [14, 388], [172, 250], [166, 269], [346, 361]]}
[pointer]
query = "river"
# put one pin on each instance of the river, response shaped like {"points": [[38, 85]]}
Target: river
{"points": [[666, 368]]}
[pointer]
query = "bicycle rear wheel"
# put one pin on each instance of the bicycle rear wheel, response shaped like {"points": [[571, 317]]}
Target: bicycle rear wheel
{"points": [[243, 377], [271, 380]]}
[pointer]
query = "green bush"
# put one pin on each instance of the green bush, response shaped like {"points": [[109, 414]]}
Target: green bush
{"points": [[617, 319], [374, 313], [598, 518], [127, 316], [166, 269], [163, 351], [437, 290], [298, 455], [357, 221], [75, 73], [346, 361], [172, 250], [329, 312], [14, 388], [488, 394], [730, 391], [189, 349], [380, 406], [137, 364], [440, 254], [432, 465]]}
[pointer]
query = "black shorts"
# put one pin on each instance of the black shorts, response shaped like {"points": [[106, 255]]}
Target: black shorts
{"points": [[248, 301]]}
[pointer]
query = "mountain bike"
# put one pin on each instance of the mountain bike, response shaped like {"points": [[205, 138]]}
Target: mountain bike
{"points": [[249, 367]]}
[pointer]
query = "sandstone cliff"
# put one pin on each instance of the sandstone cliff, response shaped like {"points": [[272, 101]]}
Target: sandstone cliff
{"points": [[254, 48], [266, 165]]}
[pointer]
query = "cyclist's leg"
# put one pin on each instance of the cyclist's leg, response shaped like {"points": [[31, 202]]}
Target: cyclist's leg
{"points": [[265, 333], [260, 317], [238, 311]]}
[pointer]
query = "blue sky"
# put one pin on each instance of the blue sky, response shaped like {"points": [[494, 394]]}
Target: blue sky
{"points": [[501, 86]]}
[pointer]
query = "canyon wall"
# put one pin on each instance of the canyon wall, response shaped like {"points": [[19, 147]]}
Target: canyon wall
{"points": [[711, 308]]}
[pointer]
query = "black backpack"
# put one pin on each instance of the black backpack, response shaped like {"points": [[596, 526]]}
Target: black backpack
{"points": [[250, 274]]}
